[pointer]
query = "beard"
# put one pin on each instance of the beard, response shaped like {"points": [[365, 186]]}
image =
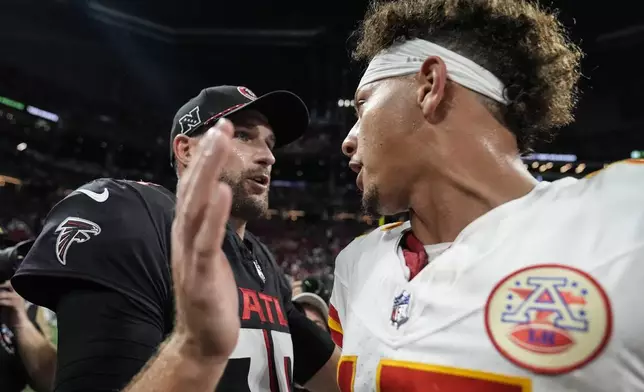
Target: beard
{"points": [[371, 202], [245, 206]]}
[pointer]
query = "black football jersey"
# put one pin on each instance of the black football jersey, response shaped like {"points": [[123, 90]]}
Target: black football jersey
{"points": [[116, 234], [264, 351]]}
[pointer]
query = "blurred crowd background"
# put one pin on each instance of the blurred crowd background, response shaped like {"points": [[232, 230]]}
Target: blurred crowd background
{"points": [[88, 89]]}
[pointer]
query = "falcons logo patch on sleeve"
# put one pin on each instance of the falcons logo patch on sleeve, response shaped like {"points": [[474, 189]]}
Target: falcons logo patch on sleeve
{"points": [[73, 230]]}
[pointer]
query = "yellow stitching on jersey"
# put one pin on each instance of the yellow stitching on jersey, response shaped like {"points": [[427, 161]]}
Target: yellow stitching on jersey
{"points": [[391, 226]]}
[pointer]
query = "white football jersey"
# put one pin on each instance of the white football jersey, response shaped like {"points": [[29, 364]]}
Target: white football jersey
{"points": [[540, 294]]}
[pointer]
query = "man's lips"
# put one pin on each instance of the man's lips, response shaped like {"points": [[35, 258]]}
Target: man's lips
{"points": [[261, 179]]}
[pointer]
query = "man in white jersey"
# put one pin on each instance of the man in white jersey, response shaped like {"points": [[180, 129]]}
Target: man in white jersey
{"points": [[497, 283]]}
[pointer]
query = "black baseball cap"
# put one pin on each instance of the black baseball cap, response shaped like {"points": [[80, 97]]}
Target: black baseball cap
{"points": [[286, 112]]}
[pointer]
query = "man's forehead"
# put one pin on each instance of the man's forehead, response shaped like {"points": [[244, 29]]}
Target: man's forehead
{"points": [[384, 85], [367, 88], [253, 118]]}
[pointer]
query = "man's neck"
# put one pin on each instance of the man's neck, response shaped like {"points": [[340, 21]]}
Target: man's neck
{"points": [[441, 209], [238, 225]]}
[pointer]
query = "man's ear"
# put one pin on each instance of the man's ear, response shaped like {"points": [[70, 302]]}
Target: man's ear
{"points": [[183, 149], [432, 79]]}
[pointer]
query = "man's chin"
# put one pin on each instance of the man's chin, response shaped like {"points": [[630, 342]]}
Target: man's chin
{"points": [[261, 210], [248, 212], [249, 207], [371, 203], [260, 202], [375, 205]]}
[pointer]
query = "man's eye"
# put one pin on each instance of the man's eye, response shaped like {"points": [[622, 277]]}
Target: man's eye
{"points": [[358, 106], [242, 135]]}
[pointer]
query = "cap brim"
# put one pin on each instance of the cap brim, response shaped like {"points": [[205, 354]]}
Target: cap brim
{"points": [[286, 114], [313, 300]]}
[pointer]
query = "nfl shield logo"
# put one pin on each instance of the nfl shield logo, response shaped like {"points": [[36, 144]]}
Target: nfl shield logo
{"points": [[400, 312]]}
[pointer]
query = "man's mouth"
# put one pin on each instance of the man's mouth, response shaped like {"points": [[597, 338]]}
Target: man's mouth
{"points": [[261, 179]]}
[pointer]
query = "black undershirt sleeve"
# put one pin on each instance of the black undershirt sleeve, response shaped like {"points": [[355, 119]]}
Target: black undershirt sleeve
{"points": [[104, 340], [312, 346]]}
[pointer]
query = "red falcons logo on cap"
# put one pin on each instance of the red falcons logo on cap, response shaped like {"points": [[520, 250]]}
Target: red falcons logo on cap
{"points": [[73, 230], [247, 93]]}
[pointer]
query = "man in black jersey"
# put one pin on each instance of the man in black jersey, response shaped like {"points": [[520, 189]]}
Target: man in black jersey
{"points": [[104, 263]]}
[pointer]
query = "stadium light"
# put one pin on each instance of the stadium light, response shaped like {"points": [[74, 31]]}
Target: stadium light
{"points": [[12, 103], [580, 168], [538, 156], [346, 103], [42, 113]]}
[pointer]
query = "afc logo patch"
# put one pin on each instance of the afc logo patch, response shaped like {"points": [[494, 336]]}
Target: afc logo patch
{"points": [[550, 319]]}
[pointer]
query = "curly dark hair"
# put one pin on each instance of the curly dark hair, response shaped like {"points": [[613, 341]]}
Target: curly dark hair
{"points": [[525, 46]]}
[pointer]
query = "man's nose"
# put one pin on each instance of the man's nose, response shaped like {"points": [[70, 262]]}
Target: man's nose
{"points": [[350, 143]]}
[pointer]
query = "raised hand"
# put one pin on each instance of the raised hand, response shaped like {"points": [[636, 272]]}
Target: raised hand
{"points": [[205, 289]]}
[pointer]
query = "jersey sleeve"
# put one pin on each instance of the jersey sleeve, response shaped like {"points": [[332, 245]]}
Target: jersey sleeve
{"points": [[340, 293], [105, 233], [104, 340], [617, 194]]}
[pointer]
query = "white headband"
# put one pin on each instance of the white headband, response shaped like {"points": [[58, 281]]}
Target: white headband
{"points": [[406, 58]]}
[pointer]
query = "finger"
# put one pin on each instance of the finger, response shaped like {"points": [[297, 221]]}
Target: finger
{"points": [[187, 213], [6, 295], [210, 237], [6, 285], [188, 173], [203, 149], [187, 178], [207, 171], [200, 189], [213, 153], [6, 302]]}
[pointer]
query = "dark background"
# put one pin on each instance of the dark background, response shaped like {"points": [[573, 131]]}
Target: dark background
{"points": [[115, 71]]}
